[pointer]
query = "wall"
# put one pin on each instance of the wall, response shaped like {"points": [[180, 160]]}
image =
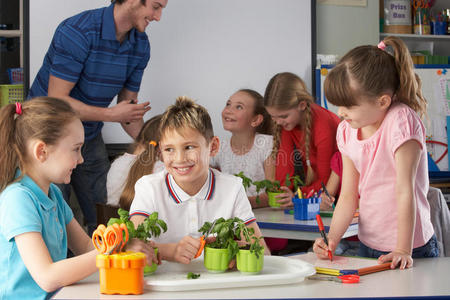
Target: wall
{"points": [[341, 28], [201, 48]]}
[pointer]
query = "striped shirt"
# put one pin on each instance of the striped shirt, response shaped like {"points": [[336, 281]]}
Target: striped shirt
{"points": [[85, 51]]}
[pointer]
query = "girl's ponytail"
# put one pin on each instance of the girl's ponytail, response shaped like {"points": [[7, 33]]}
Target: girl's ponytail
{"points": [[310, 174], [409, 90], [10, 154]]}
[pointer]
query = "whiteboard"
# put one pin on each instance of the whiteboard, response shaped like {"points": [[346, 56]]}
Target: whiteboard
{"points": [[204, 49]]}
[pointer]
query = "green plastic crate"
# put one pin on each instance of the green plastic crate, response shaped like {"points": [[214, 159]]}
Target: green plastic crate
{"points": [[11, 93]]}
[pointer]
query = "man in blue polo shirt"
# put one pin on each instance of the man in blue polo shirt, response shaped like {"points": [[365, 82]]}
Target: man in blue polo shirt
{"points": [[93, 57]]}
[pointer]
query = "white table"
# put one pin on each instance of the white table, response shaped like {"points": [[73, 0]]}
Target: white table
{"points": [[275, 223], [428, 278]]}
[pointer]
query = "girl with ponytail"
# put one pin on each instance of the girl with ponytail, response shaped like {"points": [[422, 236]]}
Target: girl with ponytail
{"points": [[382, 142], [125, 170], [303, 128]]}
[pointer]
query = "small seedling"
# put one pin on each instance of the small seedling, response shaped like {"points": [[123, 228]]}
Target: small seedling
{"points": [[268, 185], [191, 275]]}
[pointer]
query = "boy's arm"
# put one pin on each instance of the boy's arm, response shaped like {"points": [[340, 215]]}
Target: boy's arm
{"points": [[182, 252], [407, 159], [255, 226]]}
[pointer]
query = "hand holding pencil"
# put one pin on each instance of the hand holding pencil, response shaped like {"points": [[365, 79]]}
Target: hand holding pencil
{"points": [[323, 247]]}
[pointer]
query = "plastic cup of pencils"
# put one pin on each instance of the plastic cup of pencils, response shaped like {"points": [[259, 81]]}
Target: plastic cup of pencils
{"points": [[306, 208]]}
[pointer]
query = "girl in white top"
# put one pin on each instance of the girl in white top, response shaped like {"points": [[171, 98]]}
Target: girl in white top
{"points": [[129, 167], [249, 148]]}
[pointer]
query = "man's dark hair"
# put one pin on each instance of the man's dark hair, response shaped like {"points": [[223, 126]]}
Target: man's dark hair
{"points": [[122, 1]]}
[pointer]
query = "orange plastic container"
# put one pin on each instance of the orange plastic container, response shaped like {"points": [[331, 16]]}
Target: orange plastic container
{"points": [[121, 273]]}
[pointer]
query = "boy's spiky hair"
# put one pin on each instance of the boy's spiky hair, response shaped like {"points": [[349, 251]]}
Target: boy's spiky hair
{"points": [[185, 113]]}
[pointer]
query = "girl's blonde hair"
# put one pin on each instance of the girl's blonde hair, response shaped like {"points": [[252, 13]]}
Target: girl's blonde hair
{"points": [[285, 91], [375, 72], [266, 126], [42, 118], [185, 113], [148, 139]]}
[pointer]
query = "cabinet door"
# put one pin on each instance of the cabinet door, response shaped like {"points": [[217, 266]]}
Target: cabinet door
{"points": [[11, 41]]}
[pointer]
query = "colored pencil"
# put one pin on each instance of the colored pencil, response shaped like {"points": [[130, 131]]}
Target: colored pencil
{"points": [[326, 193], [322, 232], [373, 269]]}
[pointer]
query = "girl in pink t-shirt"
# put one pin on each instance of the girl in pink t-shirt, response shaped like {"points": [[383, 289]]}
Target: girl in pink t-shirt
{"points": [[382, 142]]}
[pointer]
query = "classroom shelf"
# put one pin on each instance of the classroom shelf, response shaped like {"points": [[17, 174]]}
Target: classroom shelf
{"points": [[419, 37]]}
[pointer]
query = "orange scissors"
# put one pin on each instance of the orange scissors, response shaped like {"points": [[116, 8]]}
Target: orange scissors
{"points": [[341, 279], [110, 239], [203, 240]]}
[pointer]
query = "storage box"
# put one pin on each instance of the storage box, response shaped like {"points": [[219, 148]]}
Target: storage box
{"points": [[10, 93], [306, 208], [15, 75], [121, 273]]}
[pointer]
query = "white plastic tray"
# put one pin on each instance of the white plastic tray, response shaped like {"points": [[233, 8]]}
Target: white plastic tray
{"points": [[277, 270]]}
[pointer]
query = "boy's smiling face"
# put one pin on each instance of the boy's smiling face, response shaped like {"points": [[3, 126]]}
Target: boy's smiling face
{"points": [[186, 154]]}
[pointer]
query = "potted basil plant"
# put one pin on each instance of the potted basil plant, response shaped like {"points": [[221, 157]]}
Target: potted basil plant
{"points": [[272, 188], [250, 258], [220, 252], [151, 227]]}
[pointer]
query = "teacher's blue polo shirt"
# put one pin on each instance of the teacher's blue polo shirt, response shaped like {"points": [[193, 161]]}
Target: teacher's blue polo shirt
{"points": [[25, 208], [85, 51]]}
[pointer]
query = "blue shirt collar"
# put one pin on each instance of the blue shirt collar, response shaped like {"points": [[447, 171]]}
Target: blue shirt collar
{"points": [[109, 26], [45, 200]]}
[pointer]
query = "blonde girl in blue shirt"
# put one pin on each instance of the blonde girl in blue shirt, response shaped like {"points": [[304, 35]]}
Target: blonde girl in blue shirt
{"points": [[42, 143]]}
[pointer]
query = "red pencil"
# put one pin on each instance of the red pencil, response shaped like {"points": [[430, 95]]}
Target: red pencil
{"points": [[324, 236], [311, 192]]}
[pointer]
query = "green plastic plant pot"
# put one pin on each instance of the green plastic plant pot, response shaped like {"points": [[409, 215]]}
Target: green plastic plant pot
{"points": [[216, 260], [151, 269], [248, 263], [272, 200]]}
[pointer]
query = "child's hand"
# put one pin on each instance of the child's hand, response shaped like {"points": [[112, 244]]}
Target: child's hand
{"points": [[147, 248], [285, 199], [327, 203], [186, 249], [398, 258], [321, 249]]}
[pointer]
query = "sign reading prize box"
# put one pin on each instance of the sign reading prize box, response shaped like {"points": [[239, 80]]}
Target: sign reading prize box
{"points": [[397, 16]]}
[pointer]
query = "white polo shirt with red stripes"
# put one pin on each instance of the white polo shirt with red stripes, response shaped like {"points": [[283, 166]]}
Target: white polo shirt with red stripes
{"points": [[222, 195]]}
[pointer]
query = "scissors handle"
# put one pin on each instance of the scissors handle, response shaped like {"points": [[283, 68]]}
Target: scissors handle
{"points": [[349, 278], [113, 238], [124, 231], [98, 239], [202, 245]]}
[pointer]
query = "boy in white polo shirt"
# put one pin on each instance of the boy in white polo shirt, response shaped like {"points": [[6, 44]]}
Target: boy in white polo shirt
{"points": [[188, 192]]}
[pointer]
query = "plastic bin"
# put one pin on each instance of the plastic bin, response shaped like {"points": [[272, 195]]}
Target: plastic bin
{"points": [[121, 273], [10, 93], [306, 208]]}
